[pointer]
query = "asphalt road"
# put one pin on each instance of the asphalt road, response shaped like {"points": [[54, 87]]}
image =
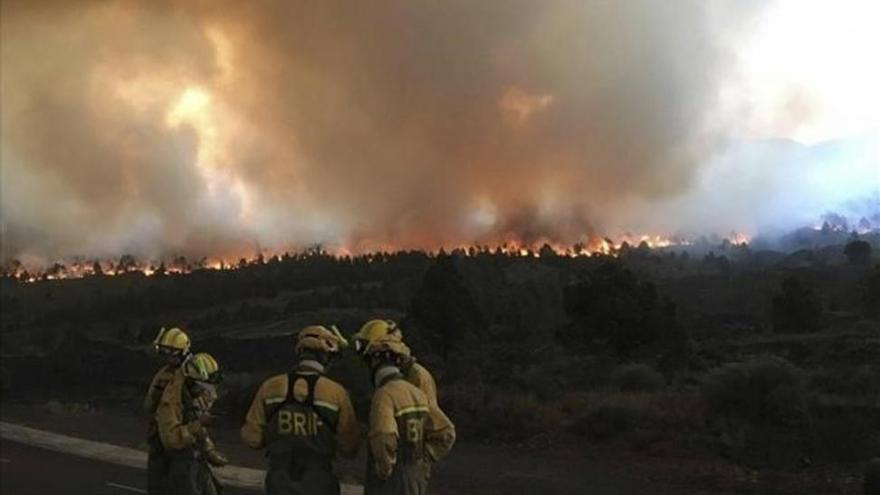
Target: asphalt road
{"points": [[26, 470]]}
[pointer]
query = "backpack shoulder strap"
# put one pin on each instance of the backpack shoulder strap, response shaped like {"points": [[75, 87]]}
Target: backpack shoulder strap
{"points": [[291, 383]]}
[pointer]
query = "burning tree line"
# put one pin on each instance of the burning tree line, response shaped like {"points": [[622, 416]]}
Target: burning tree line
{"points": [[127, 263]]}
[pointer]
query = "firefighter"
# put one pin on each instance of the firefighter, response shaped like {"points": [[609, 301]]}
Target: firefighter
{"points": [[181, 418], [173, 345], [302, 418], [405, 436], [412, 371]]}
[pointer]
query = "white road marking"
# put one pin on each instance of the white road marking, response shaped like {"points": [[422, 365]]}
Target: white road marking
{"points": [[125, 487], [237, 476]]}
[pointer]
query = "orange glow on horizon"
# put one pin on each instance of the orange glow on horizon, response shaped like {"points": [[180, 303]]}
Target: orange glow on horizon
{"points": [[595, 247]]}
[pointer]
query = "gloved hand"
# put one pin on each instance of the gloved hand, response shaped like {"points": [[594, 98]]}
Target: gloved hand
{"points": [[216, 459], [195, 428], [205, 419], [203, 403]]}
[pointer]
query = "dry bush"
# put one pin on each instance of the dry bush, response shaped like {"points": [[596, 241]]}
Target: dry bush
{"points": [[758, 412], [485, 415], [845, 435], [766, 390], [637, 378], [607, 415]]}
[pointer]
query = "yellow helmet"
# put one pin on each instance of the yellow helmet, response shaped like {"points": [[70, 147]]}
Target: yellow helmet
{"points": [[390, 345], [171, 341], [202, 367], [319, 338], [373, 330]]}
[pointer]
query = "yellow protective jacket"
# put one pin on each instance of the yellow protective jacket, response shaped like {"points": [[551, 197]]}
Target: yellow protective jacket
{"points": [[441, 430], [154, 394], [405, 426], [419, 376], [176, 430], [327, 394]]}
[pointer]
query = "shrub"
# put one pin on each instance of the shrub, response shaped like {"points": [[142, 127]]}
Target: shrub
{"points": [[872, 477], [602, 416], [862, 382], [762, 445], [867, 381], [608, 421], [637, 378], [871, 294], [845, 435], [796, 309], [481, 415], [540, 380], [765, 390], [858, 252], [611, 308], [586, 372]]}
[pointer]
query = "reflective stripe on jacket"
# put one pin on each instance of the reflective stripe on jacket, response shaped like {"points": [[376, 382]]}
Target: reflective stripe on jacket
{"points": [[328, 396], [440, 432], [178, 428]]}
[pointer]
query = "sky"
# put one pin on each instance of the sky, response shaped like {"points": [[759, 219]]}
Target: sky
{"points": [[216, 128]]}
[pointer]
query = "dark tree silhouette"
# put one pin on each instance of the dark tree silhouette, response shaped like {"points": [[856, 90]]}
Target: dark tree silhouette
{"points": [[443, 307], [126, 263], [872, 292], [858, 252], [796, 309], [610, 305]]}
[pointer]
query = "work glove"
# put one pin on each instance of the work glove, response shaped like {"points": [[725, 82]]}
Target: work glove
{"points": [[203, 403], [216, 459], [195, 428], [205, 418]]}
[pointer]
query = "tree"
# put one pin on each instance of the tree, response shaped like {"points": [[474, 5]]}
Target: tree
{"points": [[444, 306], [872, 293], [610, 305], [127, 263], [858, 252], [547, 251], [796, 309]]}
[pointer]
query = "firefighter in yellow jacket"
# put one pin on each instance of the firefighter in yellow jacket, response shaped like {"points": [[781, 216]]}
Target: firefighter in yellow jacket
{"points": [[173, 345], [406, 434], [412, 371], [302, 419], [181, 419]]}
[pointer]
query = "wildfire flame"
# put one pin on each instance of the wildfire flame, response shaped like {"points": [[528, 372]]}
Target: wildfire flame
{"points": [[80, 268]]}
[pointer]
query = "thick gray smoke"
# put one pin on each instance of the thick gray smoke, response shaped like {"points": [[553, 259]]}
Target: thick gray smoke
{"points": [[210, 127]]}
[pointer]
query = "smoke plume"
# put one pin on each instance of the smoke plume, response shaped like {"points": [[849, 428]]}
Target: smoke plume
{"points": [[216, 127]]}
